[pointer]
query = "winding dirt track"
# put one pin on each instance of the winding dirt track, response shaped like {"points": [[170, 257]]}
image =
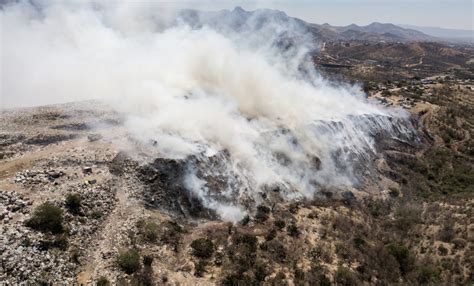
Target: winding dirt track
{"points": [[109, 237]]}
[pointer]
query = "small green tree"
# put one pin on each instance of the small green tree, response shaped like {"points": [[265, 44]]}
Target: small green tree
{"points": [[73, 203], [147, 260], [386, 93], [402, 255], [200, 268], [280, 224], [103, 281], [447, 232], [47, 218], [129, 261], [293, 230], [427, 274], [345, 277], [202, 248], [262, 213], [150, 231], [407, 216], [366, 86]]}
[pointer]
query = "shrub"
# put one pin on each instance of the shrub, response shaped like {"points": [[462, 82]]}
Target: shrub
{"points": [[252, 277], [359, 241], [279, 278], [147, 260], [378, 208], [243, 251], [322, 280], [202, 248], [245, 221], [313, 215], [74, 255], [271, 234], [407, 216], [73, 203], [59, 241], [47, 218], [262, 213], [402, 255], [103, 281], [260, 272], [280, 224], [459, 243], [171, 233], [164, 278], [292, 230], [97, 214], [129, 261], [400, 252], [366, 86], [344, 251], [143, 278], [377, 260], [447, 233], [277, 250], [299, 274], [293, 207], [317, 275], [446, 263], [427, 274], [150, 231], [321, 252], [42, 282], [343, 224], [386, 93], [247, 239], [443, 251], [199, 268], [233, 279], [393, 192], [26, 242], [345, 277]]}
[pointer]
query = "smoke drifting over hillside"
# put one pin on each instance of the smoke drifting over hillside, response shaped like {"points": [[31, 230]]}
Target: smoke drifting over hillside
{"points": [[197, 83]]}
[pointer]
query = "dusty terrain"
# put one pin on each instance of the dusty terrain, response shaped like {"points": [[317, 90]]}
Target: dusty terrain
{"points": [[417, 229], [269, 191], [410, 223]]}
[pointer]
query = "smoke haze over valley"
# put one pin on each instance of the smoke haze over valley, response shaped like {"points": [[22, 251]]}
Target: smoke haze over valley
{"points": [[199, 83], [141, 142]]}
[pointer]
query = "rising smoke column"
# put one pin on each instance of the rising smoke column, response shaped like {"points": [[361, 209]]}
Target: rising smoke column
{"points": [[198, 84]]}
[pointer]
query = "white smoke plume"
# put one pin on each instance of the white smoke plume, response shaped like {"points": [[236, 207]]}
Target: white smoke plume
{"points": [[196, 86]]}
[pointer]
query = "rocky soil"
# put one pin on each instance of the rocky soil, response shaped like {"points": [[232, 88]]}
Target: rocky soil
{"points": [[381, 232]]}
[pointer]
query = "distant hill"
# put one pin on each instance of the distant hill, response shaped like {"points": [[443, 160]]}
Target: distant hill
{"points": [[449, 34], [387, 31], [240, 20]]}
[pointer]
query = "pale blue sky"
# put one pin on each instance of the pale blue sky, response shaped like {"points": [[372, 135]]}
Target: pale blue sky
{"points": [[457, 14]]}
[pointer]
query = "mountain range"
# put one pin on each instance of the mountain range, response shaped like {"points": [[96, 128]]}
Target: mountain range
{"points": [[450, 34], [239, 19]]}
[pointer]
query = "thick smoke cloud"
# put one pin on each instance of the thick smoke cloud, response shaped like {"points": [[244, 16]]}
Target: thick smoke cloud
{"points": [[197, 83]]}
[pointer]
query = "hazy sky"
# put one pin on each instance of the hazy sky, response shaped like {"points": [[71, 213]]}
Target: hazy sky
{"points": [[456, 14]]}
